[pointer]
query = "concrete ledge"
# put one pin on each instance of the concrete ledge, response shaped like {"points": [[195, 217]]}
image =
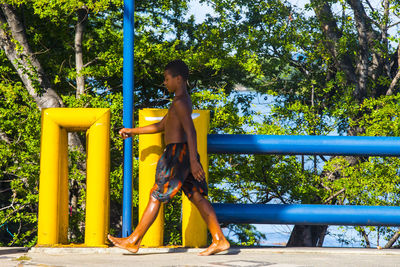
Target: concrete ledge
{"points": [[111, 250], [234, 250], [183, 257]]}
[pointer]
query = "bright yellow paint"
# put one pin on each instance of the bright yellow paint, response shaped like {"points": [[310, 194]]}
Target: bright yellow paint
{"points": [[49, 180], [150, 148], [63, 211], [97, 182], [194, 229], [53, 187]]}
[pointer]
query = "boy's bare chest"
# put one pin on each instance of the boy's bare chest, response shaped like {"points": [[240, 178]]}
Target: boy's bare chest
{"points": [[172, 121]]}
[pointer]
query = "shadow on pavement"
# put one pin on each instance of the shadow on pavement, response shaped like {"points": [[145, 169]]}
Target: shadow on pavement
{"points": [[231, 251], [6, 251]]}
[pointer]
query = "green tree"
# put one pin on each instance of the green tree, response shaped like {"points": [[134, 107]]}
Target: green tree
{"points": [[328, 72], [322, 70], [38, 71]]}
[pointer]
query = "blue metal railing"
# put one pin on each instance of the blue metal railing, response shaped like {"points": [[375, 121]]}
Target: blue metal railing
{"points": [[303, 145], [306, 145], [307, 214]]}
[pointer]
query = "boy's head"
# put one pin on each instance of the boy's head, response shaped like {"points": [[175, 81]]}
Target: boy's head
{"points": [[176, 74], [178, 67]]}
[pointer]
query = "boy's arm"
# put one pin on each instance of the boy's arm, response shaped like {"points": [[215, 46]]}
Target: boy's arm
{"points": [[149, 129], [184, 115]]}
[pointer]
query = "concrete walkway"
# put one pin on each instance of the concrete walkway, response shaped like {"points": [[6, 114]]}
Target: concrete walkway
{"points": [[267, 256]]}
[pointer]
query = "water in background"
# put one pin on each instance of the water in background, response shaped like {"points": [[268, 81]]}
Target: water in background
{"points": [[337, 236]]}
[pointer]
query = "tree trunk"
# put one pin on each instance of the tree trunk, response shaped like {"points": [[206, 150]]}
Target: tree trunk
{"points": [[79, 31], [366, 238], [307, 236], [362, 64], [332, 34], [28, 66], [392, 240], [24, 61], [14, 42]]}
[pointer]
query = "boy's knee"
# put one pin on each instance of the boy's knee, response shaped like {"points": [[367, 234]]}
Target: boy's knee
{"points": [[153, 199], [196, 197]]}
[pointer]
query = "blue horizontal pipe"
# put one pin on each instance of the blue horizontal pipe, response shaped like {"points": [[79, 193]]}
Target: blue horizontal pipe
{"points": [[307, 214], [303, 145]]}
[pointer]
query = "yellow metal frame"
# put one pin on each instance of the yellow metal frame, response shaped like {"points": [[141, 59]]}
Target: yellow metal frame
{"points": [[53, 188], [150, 148], [194, 229]]}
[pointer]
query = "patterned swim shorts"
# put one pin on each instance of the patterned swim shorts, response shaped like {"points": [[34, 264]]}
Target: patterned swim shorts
{"points": [[173, 172]]}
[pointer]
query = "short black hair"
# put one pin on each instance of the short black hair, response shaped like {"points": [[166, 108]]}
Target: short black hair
{"points": [[178, 67]]}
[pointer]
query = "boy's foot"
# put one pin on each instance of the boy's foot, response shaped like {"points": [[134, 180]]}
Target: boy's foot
{"points": [[216, 247], [124, 243]]}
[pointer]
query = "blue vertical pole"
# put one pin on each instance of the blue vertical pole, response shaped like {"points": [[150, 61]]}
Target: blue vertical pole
{"points": [[128, 84]]}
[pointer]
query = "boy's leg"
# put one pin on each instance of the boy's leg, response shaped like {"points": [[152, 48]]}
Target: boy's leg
{"points": [[132, 242], [207, 212]]}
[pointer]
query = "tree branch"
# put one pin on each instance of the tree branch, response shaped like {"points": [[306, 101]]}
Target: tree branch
{"points": [[394, 24], [334, 195], [24, 61], [370, 6], [5, 190], [384, 29], [91, 62], [362, 64], [332, 37], [4, 137], [392, 240], [396, 77], [79, 31], [323, 158], [364, 234], [327, 188]]}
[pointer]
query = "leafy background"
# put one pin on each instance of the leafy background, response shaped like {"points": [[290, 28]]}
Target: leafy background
{"points": [[313, 82]]}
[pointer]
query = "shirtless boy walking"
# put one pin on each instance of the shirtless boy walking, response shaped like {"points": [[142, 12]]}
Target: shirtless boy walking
{"points": [[178, 166]]}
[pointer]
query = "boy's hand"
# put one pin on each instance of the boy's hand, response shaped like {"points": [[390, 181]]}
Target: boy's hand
{"points": [[125, 133], [197, 171]]}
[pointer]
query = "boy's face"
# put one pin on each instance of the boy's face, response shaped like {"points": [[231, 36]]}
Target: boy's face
{"points": [[170, 81]]}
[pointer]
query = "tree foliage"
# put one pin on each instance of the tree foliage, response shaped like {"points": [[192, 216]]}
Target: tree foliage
{"points": [[332, 71], [48, 40]]}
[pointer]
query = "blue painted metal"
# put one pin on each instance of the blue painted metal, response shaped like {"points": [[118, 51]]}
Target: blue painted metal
{"points": [[128, 85], [303, 145], [307, 214]]}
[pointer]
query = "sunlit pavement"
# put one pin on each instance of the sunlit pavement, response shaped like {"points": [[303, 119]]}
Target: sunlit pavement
{"points": [[266, 256]]}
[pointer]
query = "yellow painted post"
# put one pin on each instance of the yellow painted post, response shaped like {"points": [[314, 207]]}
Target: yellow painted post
{"points": [[63, 212], [53, 188], [97, 182], [48, 227], [150, 148], [194, 229]]}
